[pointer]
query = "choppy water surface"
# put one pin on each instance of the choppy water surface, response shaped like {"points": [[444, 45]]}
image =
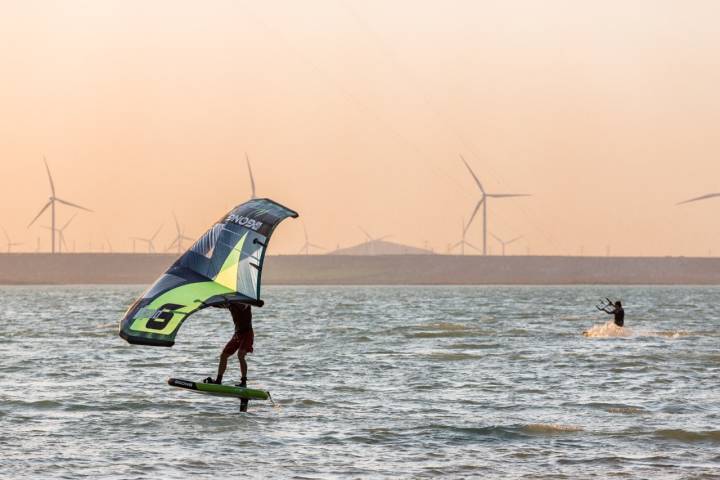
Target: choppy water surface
{"points": [[370, 382]]}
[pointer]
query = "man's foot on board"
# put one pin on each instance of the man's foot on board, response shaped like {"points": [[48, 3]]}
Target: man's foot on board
{"points": [[210, 380], [243, 382]]}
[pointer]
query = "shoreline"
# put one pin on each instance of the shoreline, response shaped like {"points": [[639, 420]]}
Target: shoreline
{"points": [[421, 270]]}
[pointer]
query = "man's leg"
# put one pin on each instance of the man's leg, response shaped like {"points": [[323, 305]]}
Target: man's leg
{"points": [[229, 349], [243, 367], [221, 367]]}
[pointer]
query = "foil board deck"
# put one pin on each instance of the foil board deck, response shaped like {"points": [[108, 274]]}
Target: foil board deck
{"points": [[220, 390]]}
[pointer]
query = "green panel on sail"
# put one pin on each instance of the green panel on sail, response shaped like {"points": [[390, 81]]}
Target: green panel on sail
{"points": [[225, 264]]}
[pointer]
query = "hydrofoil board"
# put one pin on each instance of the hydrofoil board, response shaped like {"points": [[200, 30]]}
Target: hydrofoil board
{"points": [[220, 390]]}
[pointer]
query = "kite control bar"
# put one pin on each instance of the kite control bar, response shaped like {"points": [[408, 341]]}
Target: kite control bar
{"points": [[604, 304]]}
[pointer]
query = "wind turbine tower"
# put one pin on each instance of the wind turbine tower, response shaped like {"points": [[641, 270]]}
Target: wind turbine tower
{"points": [[505, 243], [61, 234], [179, 237], [462, 243], [307, 245], [51, 203], [372, 241], [148, 241], [10, 243], [483, 203]]}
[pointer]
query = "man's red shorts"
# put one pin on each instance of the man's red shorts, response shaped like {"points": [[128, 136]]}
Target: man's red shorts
{"points": [[240, 341]]}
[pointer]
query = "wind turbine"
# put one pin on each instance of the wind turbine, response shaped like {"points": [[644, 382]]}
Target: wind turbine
{"points": [[505, 243], [179, 237], [703, 197], [462, 243], [51, 203], [149, 241], [61, 234], [252, 180], [10, 243], [372, 241], [307, 245], [483, 203]]}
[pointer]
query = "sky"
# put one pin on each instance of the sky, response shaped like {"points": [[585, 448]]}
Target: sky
{"points": [[355, 114]]}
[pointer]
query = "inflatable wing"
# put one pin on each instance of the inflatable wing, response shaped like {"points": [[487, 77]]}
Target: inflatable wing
{"points": [[225, 264]]}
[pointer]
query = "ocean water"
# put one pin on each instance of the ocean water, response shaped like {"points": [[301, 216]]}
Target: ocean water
{"points": [[369, 382]]}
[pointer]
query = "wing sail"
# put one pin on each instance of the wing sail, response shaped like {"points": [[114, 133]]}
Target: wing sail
{"points": [[225, 264]]}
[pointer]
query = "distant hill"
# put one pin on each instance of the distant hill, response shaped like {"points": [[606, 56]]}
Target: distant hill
{"points": [[381, 247]]}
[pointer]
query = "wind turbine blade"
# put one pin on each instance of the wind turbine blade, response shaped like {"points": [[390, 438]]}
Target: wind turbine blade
{"points": [[366, 234], [69, 204], [52, 185], [316, 246], [252, 180], [171, 245], [6, 235], [302, 249], [506, 195], [155, 234], [477, 207], [383, 238], [473, 247], [513, 240], [177, 224], [477, 180], [495, 237], [41, 212], [704, 197], [68, 222], [305, 232]]}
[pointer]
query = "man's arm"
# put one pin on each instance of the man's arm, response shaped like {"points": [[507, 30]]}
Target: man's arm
{"points": [[225, 304]]}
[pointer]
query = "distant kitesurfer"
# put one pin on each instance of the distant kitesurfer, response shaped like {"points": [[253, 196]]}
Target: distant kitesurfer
{"points": [[241, 342], [617, 311]]}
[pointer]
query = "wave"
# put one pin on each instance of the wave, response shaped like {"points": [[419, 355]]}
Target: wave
{"points": [[443, 326], [496, 431], [551, 428], [36, 404], [607, 330], [508, 432], [442, 334], [442, 330], [688, 436], [473, 346], [626, 410], [668, 334], [610, 407], [453, 356]]}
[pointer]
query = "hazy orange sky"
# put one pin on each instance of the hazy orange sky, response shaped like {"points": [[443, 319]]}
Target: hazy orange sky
{"points": [[354, 113]]}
